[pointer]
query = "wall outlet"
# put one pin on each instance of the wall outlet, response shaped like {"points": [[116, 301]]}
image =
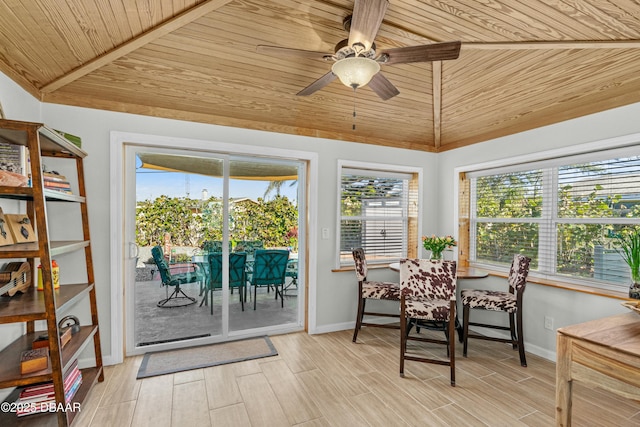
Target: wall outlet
{"points": [[548, 323]]}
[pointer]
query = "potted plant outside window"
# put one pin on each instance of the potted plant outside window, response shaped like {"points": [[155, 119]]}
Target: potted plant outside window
{"points": [[628, 246]]}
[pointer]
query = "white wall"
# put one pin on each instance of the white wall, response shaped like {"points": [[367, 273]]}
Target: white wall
{"points": [[565, 307]]}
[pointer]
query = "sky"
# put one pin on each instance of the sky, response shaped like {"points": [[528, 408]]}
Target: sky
{"points": [[151, 184]]}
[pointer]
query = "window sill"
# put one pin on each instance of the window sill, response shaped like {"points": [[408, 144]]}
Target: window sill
{"points": [[568, 286], [353, 268]]}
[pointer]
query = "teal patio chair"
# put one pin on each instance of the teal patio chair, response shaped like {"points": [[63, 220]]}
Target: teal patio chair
{"points": [[269, 269], [292, 273], [211, 246], [248, 246], [177, 298], [237, 275]]}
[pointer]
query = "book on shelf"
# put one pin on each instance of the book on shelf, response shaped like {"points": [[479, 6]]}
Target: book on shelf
{"points": [[75, 140], [54, 177], [56, 182], [34, 399], [45, 388], [53, 185]]}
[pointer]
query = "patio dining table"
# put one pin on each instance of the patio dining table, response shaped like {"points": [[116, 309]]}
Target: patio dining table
{"points": [[202, 263]]}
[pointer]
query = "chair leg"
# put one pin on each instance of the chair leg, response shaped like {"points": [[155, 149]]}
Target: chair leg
{"points": [[523, 358], [176, 295], [205, 299], [255, 295], [465, 328], [512, 328], [403, 339], [359, 317], [452, 342], [240, 292], [447, 336]]}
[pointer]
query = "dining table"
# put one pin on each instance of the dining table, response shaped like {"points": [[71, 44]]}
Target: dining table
{"points": [[462, 272]]}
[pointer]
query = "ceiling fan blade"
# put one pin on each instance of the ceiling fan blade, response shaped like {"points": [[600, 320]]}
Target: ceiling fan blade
{"points": [[422, 53], [366, 20], [383, 87], [318, 84], [289, 52]]}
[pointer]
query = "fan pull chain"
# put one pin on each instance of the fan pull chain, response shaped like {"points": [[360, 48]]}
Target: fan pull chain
{"points": [[353, 126]]}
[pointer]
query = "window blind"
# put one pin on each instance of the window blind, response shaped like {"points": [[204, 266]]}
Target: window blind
{"points": [[566, 216], [374, 214]]}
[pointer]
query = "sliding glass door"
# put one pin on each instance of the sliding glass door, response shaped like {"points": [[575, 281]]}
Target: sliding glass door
{"points": [[200, 224]]}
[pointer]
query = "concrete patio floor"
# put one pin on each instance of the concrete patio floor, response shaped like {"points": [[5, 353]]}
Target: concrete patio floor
{"points": [[154, 324]]}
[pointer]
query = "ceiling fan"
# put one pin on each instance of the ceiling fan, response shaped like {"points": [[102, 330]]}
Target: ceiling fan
{"points": [[356, 61]]}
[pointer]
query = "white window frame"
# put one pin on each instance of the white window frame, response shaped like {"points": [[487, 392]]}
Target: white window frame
{"points": [[624, 146], [383, 170]]}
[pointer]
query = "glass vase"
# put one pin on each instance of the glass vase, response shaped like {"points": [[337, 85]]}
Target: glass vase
{"points": [[436, 256]]}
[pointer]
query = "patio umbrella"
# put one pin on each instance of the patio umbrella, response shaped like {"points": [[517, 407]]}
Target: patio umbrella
{"points": [[239, 169]]}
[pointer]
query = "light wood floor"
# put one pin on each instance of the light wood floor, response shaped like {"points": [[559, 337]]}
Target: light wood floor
{"points": [[326, 380]]}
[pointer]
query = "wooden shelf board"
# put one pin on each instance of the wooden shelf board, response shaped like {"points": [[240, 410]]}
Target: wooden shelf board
{"points": [[26, 193], [78, 342], [10, 372], [89, 379], [10, 368], [30, 250], [30, 305]]}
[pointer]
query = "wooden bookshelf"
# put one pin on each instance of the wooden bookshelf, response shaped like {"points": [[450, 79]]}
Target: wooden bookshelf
{"points": [[48, 305]]}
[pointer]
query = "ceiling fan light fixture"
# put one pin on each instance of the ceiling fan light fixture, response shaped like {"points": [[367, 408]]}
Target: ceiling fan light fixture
{"points": [[355, 71]]}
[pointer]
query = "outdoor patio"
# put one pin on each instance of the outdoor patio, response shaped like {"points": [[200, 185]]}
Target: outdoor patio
{"points": [[154, 324]]}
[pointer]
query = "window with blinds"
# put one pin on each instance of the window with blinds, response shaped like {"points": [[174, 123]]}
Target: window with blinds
{"points": [[378, 210], [563, 213]]}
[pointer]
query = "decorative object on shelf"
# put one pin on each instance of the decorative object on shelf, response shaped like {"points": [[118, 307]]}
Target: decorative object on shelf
{"points": [[55, 275], [21, 229], [65, 336], [13, 165], [41, 341], [15, 277], [6, 238], [437, 245], [69, 322], [34, 360], [628, 246], [632, 305]]}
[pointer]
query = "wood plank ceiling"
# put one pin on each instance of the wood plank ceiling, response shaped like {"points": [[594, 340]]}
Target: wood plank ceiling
{"points": [[522, 64]]}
